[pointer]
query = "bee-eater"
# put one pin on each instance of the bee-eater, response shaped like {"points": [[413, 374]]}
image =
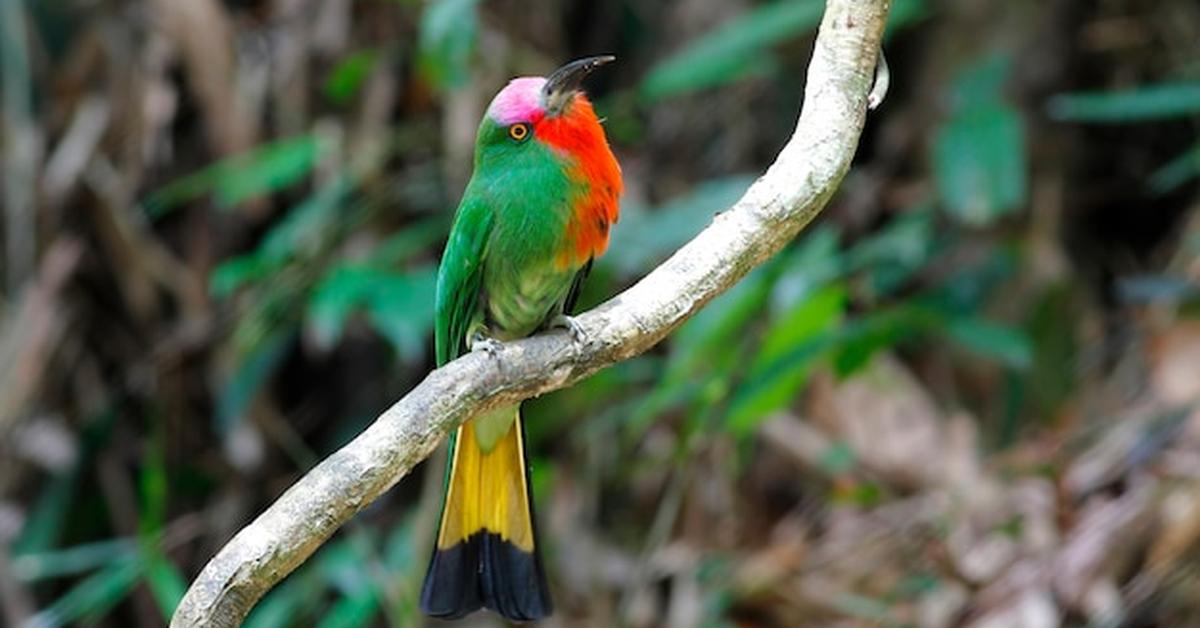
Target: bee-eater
{"points": [[536, 212]]}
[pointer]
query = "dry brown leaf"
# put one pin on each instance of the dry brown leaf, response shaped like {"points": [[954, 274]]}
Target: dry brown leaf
{"points": [[72, 153], [1175, 357], [799, 439], [1108, 532], [203, 32], [32, 331], [888, 419], [941, 607], [1179, 533], [1032, 609]]}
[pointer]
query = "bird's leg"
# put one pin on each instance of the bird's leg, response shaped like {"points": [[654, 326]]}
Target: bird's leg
{"points": [[562, 321], [478, 340]]}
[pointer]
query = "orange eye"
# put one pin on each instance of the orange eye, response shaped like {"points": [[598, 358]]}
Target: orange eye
{"points": [[519, 131]]}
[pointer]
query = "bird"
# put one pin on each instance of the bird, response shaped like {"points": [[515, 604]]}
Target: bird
{"points": [[542, 198]]}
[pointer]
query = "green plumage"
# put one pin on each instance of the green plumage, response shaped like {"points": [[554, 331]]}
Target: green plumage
{"points": [[500, 278], [499, 275], [537, 209]]}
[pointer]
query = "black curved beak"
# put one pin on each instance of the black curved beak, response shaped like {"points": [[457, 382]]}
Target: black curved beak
{"points": [[565, 81]]}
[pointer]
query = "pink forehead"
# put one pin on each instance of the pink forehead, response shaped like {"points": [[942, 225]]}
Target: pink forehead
{"points": [[519, 101]]}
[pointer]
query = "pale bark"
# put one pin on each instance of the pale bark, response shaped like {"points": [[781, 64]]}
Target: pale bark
{"points": [[768, 216]]}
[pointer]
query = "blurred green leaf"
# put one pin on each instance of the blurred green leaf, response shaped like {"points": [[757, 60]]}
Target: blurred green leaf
{"points": [[154, 483], [398, 305], [350, 611], [1148, 102], [721, 323], [414, 239], [980, 84], [862, 338], [601, 404], [894, 254], [306, 226], [812, 264], [71, 560], [271, 168], [917, 584], [1053, 326], [979, 162], [732, 51], [885, 259], [345, 81], [304, 230], [341, 563], [675, 76], [55, 500], [864, 495], [905, 240], [349, 287], [905, 13], [92, 597], [264, 170], [966, 289], [839, 459], [281, 607], [740, 48], [1176, 172], [1006, 345], [398, 550], [334, 299], [645, 236], [768, 386], [402, 310], [45, 523], [166, 583], [448, 33], [241, 385], [235, 273], [294, 601], [714, 336]]}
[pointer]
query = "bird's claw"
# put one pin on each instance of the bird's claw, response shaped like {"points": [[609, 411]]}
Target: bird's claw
{"points": [[486, 344], [562, 321]]}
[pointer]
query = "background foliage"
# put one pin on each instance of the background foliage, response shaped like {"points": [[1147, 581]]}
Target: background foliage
{"points": [[965, 396]]}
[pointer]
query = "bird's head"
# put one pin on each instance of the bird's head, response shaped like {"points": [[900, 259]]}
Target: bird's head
{"points": [[542, 139], [551, 111]]}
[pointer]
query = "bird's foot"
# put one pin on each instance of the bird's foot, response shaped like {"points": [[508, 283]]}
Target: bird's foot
{"points": [[562, 321], [481, 342]]}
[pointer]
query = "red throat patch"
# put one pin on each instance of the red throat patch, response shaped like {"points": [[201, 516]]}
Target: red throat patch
{"points": [[578, 133]]}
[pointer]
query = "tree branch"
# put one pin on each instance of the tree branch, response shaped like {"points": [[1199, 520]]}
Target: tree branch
{"points": [[772, 212]]}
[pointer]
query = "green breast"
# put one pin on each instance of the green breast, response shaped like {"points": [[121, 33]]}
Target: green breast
{"points": [[520, 299], [531, 195]]}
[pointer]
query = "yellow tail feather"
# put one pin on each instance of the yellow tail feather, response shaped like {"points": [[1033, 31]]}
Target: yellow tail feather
{"points": [[486, 490]]}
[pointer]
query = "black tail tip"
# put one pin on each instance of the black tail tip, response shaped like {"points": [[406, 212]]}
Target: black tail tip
{"points": [[486, 571]]}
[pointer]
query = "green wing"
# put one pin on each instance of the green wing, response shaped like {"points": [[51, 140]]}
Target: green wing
{"points": [[460, 276]]}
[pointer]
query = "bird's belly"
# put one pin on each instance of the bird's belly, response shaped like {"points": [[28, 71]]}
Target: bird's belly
{"points": [[519, 303]]}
